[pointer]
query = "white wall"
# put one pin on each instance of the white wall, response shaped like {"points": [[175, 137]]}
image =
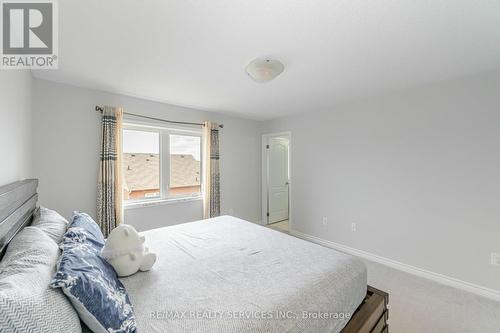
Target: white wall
{"points": [[418, 171], [66, 150], [15, 125], [145, 218]]}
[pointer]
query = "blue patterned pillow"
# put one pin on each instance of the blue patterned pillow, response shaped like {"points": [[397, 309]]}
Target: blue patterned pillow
{"points": [[90, 282]]}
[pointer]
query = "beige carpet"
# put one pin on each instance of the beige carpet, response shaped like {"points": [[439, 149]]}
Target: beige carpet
{"points": [[280, 226], [418, 305]]}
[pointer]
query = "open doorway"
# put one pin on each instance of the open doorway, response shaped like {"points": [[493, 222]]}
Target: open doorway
{"points": [[276, 180]]}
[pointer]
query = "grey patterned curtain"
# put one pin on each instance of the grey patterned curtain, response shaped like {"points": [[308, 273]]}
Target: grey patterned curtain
{"points": [[211, 174], [109, 187]]}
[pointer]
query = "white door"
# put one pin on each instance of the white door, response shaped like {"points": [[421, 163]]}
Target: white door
{"points": [[277, 156]]}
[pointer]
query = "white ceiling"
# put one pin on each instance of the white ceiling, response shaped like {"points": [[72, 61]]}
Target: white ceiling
{"points": [[193, 52]]}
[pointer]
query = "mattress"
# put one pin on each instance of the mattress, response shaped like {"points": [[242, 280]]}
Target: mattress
{"points": [[229, 275]]}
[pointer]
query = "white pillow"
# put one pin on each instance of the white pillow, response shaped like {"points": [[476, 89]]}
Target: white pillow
{"points": [[27, 303], [51, 222]]}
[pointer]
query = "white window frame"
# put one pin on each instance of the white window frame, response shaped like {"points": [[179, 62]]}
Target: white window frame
{"points": [[164, 133]]}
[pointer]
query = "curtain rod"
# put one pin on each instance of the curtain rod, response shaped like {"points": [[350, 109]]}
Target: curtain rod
{"points": [[100, 109]]}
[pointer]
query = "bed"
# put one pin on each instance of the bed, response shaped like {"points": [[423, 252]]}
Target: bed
{"points": [[229, 275]]}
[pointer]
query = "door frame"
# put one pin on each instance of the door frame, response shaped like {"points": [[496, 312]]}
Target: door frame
{"points": [[265, 138]]}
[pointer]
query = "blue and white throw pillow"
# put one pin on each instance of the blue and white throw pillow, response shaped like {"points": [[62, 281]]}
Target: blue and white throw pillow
{"points": [[90, 282]]}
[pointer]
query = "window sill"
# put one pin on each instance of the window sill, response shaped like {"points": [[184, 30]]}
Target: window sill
{"points": [[159, 202]]}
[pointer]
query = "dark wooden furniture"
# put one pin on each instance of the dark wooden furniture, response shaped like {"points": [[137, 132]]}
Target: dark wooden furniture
{"points": [[17, 204], [372, 315]]}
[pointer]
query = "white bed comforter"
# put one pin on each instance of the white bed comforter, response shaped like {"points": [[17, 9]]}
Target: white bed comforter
{"points": [[229, 275]]}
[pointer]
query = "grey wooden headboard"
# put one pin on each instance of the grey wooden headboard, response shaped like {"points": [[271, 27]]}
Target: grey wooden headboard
{"points": [[18, 202]]}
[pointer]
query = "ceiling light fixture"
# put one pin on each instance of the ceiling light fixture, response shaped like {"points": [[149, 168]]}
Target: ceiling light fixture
{"points": [[264, 69]]}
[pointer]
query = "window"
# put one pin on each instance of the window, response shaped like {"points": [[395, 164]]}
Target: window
{"points": [[141, 164], [160, 163], [185, 165]]}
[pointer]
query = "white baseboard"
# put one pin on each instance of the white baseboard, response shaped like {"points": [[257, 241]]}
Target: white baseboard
{"points": [[440, 278]]}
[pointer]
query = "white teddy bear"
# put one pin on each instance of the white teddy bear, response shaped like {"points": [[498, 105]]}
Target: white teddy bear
{"points": [[126, 252]]}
